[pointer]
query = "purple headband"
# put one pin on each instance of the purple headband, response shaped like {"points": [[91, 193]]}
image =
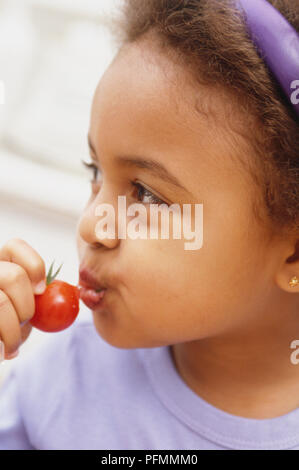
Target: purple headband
{"points": [[278, 43]]}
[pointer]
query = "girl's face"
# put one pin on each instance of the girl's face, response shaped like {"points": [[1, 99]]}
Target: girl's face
{"points": [[159, 293]]}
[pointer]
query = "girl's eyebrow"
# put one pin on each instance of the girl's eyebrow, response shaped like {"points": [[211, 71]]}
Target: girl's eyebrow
{"points": [[153, 166]]}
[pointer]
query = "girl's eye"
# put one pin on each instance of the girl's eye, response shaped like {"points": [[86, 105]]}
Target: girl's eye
{"points": [[143, 193], [95, 171]]}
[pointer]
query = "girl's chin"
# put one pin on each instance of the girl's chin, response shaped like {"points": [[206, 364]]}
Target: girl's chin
{"points": [[114, 334]]}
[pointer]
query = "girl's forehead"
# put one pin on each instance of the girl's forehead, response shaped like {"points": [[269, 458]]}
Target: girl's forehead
{"points": [[145, 101], [136, 78], [148, 89], [142, 77]]}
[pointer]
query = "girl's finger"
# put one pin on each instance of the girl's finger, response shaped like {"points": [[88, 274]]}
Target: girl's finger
{"points": [[16, 284], [19, 252], [2, 351], [25, 331], [10, 331]]}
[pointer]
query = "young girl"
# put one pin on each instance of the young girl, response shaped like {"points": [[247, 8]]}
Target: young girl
{"points": [[187, 349]]}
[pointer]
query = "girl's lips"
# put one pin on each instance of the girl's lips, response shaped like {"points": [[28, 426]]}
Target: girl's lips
{"points": [[89, 280], [91, 298]]}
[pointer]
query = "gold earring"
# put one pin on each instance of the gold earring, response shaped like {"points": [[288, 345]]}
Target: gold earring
{"points": [[294, 281]]}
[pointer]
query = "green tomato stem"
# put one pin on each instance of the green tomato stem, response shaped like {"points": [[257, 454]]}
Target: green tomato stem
{"points": [[50, 276]]}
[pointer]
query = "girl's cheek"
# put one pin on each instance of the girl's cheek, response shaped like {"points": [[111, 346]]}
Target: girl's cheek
{"points": [[79, 247], [79, 242]]}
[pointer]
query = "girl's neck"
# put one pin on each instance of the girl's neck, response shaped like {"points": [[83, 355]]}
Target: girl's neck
{"points": [[246, 373]]}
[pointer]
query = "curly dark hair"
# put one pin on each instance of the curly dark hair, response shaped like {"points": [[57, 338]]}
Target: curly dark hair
{"points": [[211, 35]]}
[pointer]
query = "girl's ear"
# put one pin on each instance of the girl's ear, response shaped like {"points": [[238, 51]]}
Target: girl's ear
{"points": [[287, 277]]}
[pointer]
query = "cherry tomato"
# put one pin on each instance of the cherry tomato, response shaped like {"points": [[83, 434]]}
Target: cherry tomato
{"points": [[57, 308]]}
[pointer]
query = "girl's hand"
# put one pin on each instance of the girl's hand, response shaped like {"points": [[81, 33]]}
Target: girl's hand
{"points": [[22, 275]]}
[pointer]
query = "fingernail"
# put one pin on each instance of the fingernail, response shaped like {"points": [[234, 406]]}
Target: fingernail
{"points": [[40, 288]]}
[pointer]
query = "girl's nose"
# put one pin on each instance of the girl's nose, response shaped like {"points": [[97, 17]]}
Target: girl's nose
{"points": [[90, 228]]}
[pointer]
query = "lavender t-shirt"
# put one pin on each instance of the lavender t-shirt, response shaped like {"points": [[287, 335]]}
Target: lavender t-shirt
{"points": [[75, 391]]}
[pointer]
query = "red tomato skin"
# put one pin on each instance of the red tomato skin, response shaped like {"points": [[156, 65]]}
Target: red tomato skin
{"points": [[57, 308]]}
